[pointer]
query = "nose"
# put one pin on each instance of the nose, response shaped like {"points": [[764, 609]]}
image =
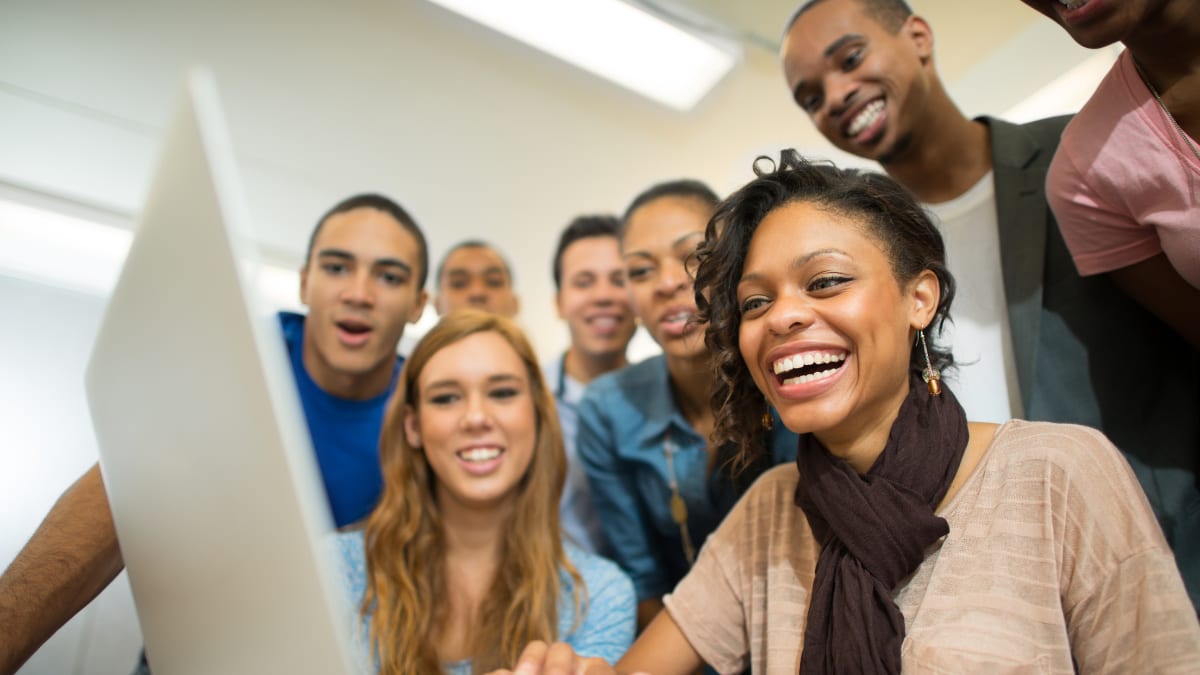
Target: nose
{"points": [[840, 93], [475, 415], [359, 291], [478, 292], [788, 314], [672, 277]]}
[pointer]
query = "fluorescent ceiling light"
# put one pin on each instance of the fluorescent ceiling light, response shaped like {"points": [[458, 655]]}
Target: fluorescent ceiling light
{"points": [[80, 255], [612, 39]]}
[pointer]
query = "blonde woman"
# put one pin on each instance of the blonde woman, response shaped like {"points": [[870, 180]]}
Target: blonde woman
{"points": [[462, 562]]}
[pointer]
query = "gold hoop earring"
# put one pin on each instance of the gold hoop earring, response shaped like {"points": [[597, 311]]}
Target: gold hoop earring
{"points": [[931, 375]]}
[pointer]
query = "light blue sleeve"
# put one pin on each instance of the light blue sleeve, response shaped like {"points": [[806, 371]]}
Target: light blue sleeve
{"points": [[353, 573], [614, 496], [610, 618]]}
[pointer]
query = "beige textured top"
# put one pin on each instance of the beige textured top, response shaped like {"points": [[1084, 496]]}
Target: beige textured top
{"points": [[1053, 553]]}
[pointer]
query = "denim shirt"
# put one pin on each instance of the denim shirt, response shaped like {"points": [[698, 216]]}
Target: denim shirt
{"points": [[625, 419]]}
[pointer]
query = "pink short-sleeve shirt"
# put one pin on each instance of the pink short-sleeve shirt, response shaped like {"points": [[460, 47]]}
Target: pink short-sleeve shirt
{"points": [[1124, 184]]}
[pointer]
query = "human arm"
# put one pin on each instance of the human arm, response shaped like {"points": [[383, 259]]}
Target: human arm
{"points": [[661, 649], [1110, 229], [1158, 286], [646, 611], [71, 557]]}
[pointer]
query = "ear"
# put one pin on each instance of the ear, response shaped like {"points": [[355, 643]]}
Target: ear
{"points": [[304, 285], [419, 308], [924, 291], [412, 427], [920, 35]]}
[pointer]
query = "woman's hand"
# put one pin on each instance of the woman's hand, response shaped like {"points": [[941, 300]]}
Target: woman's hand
{"points": [[540, 658]]}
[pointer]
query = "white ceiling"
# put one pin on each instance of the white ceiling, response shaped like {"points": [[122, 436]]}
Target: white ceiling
{"points": [[478, 135]]}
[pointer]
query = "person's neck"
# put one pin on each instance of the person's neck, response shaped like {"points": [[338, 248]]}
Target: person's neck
{"points": [[584, 368], [948, 154], [691, 383], [1167, 44], [473, 535], [1167, 49], [473, 539], [349, 386], [863, 439]]}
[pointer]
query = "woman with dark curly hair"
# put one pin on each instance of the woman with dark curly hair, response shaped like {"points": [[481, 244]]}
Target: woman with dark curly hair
{"points": [[904, 537]]}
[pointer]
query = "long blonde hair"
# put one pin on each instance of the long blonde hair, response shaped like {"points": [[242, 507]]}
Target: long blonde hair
{"points": [[405, 540]]}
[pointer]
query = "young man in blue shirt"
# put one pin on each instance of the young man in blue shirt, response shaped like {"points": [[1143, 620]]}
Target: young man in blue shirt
{"points": [[363, 279]]}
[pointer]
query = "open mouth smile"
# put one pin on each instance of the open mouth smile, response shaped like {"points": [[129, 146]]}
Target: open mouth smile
{"points": [[808, 367]]}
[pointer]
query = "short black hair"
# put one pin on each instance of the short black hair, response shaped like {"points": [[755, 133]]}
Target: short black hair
{"points": [[379, 203], [683, 188], [582, 227], [891, 14], [473, 243]]}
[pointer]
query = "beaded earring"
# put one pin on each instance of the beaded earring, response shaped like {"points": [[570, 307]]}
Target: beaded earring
{"points": [[931, 376]]}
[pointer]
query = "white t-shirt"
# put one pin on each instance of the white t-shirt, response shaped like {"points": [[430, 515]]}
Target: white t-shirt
{"points": [[985, 380]]}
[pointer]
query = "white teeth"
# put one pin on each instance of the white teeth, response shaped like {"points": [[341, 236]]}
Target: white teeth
{"points": [[604, 322], [480, 454], [1072, 4], [799, 360], [865, 118], [809, 378], [682, 316]]}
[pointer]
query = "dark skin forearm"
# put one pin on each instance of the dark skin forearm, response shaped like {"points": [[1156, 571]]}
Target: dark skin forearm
{"points": [[646, 611], [72, 556], [1158, 286]]}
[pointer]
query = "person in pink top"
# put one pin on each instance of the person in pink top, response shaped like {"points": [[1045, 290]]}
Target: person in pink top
{"points": [[1125, 183]]}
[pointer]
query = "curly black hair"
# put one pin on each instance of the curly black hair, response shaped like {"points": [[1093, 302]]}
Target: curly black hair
{"points": [[891, 215]]}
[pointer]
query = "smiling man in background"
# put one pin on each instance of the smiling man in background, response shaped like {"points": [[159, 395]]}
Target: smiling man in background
{"points": [[591, 297]]}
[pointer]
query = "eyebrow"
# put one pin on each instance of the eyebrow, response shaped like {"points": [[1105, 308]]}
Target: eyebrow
{"points": [[674, 244], [342, 254], [829, 51], [492, 379], [797, 263]]}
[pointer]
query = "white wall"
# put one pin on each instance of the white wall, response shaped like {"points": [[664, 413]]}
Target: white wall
{"points": [[478, 136]]}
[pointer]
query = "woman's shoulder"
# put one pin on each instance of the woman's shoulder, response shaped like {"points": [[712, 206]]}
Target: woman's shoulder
{"points": [[1072, 447], [596, 571], [1062, 461]]}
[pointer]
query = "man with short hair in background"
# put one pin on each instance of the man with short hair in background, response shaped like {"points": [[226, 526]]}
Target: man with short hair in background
{"points": [[592, 299], [474, 273]]}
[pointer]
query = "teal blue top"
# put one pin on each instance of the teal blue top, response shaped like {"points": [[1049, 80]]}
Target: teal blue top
{"points": [[606, 630]]}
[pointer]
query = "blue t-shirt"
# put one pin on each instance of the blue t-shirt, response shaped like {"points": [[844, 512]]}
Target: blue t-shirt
{"points": [[605, 631], [345, 433], [625, 421]]}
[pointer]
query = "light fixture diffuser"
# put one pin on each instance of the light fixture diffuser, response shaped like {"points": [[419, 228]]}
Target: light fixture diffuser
{"points": [[612, 39]]}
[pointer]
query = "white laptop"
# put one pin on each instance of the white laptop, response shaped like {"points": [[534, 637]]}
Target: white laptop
{"points": [[220, 512]]}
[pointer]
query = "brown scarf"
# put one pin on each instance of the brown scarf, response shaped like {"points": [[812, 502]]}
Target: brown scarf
{"points": [[874, 530]]}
